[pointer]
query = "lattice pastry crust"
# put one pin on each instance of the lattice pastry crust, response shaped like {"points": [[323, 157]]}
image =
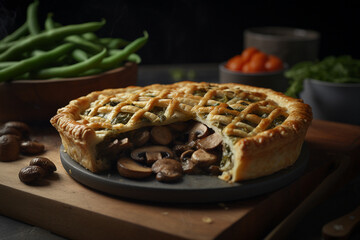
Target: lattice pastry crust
{"points": [[262, 130]]}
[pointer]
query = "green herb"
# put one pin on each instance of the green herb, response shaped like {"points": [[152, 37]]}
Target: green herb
{"points": [[342, 69], [122, 118]]}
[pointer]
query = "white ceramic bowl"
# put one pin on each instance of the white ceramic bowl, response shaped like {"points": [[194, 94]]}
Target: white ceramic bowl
{"points": [[338, 102], [274, 80]]}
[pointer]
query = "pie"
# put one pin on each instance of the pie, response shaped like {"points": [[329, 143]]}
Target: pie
{"points": [[262, 130]]}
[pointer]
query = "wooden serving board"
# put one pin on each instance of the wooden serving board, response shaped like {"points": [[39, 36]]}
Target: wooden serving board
{"points": [[69, 209]]}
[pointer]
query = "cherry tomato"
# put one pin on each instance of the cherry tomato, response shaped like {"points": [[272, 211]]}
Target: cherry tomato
{"points": [[248, 52], [273, 63], [246, 68], [257, 62], [235, 63], [252, 60]]}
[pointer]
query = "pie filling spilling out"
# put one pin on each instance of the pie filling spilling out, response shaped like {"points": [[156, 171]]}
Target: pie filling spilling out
{"points": [[235, 131]]}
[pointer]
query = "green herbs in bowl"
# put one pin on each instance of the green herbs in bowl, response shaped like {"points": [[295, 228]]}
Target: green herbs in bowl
{"points": [[342, 69], [331, 87]]}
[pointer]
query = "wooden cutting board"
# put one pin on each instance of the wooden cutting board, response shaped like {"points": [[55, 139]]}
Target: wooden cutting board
{"points": [[69, 209]]}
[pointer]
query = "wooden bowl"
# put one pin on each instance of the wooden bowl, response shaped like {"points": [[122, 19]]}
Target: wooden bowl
{"points": [[39, 100]]}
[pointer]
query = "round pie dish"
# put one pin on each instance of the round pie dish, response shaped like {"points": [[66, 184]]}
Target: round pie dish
{"points": [[38, 100], [338, 102], [274, 80]]}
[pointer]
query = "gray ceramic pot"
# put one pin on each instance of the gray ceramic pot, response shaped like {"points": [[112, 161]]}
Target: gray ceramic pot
{"points": [[333, 101], [292, 45]]}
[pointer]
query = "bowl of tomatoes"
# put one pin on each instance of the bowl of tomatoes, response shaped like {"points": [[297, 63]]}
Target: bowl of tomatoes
{"points": [[256, 68]]}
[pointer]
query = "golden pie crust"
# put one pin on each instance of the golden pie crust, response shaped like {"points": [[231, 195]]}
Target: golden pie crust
{"points": [[263, 130]]}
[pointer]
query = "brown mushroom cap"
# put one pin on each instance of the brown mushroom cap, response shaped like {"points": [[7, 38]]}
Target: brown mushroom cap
{"points": [[167, 170], [210, 142], [161, 135], [202, 158], [31, 147], [5, 130], [45, 163], [9, 148], [22, 127], [151, 153], [199, 130], [130, 169], [140, 137], [30, 174], [118, 145]]}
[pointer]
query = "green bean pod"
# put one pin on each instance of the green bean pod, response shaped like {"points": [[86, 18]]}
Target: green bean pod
{"points": [[33, 63], [32, 18], [79, 55], [7, 64], [84, 44], [115, 59], [134, 58], [6, 45], [131, 58], [71, 70], [19, 32], [113, 43], [49, 37], [49, 22]]}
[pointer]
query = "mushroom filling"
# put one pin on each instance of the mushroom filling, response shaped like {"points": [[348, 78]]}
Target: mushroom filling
{"points": [[184, 148]]}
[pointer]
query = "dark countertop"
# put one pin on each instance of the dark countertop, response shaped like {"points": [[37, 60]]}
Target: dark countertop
{"points": [[341, 202]]}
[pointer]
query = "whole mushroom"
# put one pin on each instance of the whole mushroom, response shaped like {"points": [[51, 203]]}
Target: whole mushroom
{"points": [[167, 170], [9, 148]]}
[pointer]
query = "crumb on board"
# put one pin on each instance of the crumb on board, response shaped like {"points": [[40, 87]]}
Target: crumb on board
{"points": [[207, 220]]}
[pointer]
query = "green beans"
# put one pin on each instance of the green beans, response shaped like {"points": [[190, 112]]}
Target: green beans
{"points": [[47, 37], [120, 56], [35, 62], [62, 51], [68, 71], [32, 20]]}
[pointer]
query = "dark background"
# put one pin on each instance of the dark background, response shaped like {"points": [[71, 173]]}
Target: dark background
{"points": [[198, 31]]}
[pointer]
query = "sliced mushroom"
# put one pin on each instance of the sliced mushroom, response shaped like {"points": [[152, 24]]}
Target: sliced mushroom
{"points": [[189, 167], [118, 145], [151, 154], [186, 155], [202, 158], [167, 170], [180, 148], [199, 130], [140, 137], [210, 142], [161, 135], [130, 169], [214, 170]]}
